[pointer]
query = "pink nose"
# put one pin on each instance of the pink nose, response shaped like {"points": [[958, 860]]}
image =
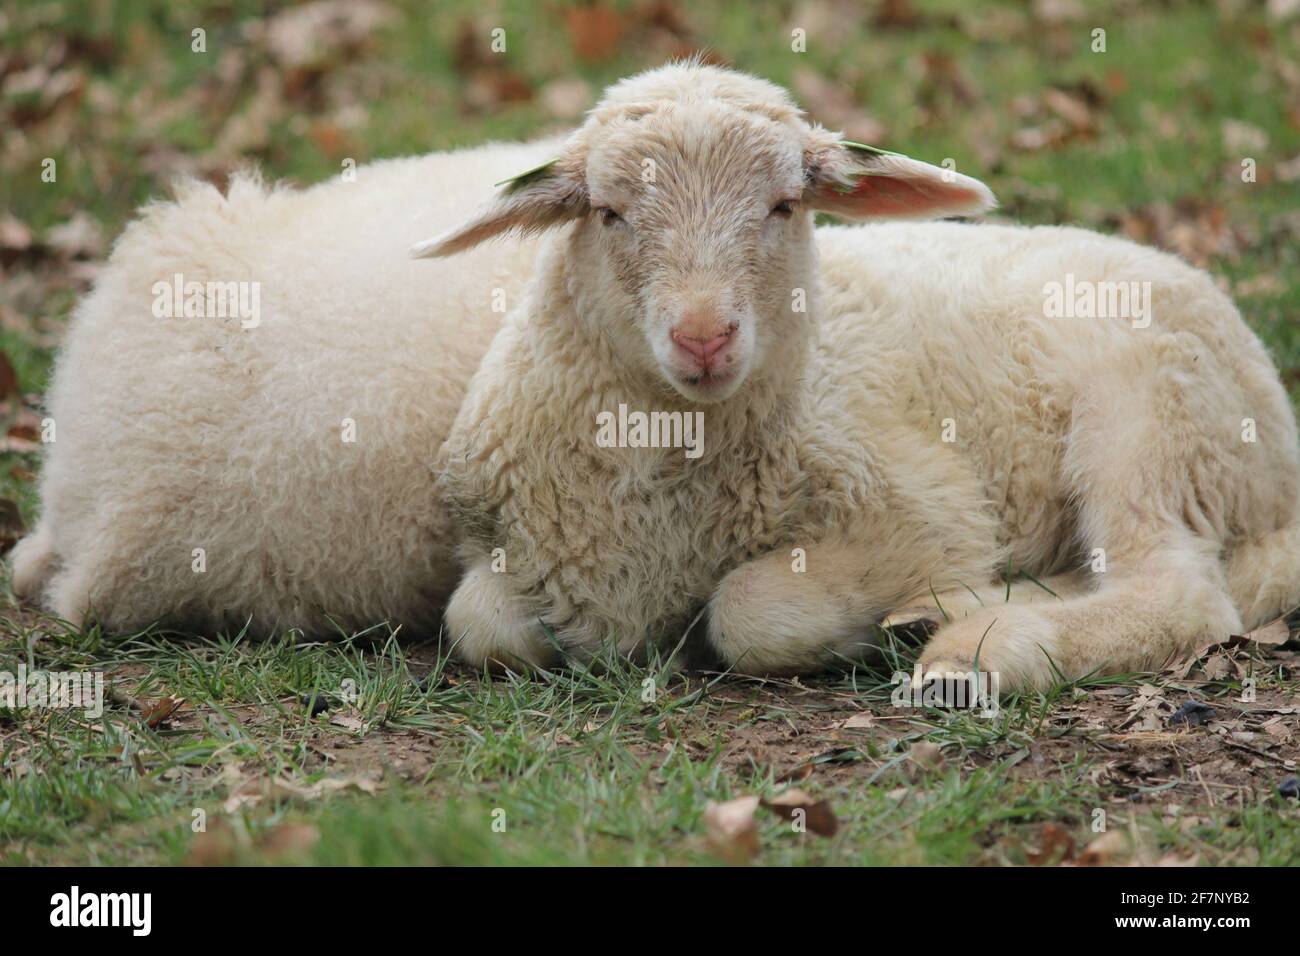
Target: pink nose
{"points": [[702, 349]]}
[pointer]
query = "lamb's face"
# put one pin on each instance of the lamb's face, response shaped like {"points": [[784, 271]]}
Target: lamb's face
{"points": [[698, 242], [691, 190]]}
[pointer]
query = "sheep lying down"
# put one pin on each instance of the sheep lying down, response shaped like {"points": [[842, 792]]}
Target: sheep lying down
{"points": [[696, 399]]}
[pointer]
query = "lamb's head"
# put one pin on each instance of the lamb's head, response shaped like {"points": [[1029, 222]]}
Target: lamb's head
{"points": [[693, 190]]}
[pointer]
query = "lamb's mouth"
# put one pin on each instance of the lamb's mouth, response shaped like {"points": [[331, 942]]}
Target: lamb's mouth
{"points": [[712, 378]]}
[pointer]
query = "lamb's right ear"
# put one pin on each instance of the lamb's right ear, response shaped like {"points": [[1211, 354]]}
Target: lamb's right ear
{"points": [[546, 196]]}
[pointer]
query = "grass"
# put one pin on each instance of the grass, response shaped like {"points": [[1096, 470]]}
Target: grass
{"points": [[604, 765], [417, 761]]}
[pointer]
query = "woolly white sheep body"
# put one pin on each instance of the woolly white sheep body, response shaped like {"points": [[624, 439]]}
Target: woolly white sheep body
{"points": [[174, 434]]}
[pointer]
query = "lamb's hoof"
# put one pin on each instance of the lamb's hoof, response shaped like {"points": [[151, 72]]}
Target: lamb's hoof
{"points": [[954, 684]]}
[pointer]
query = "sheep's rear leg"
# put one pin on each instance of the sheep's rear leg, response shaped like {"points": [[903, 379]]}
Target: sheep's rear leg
{"points": [[941, 607], [1148, 455], [1160, 603]]}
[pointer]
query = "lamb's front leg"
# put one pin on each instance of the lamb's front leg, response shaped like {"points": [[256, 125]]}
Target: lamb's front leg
{"points": [[1145, 610], [793, 611], [488, 627]]}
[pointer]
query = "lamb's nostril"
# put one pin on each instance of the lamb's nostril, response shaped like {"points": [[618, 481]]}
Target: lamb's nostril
{"points": [[703, 348]]}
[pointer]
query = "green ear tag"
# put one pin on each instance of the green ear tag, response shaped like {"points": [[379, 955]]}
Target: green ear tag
{"points": [[524, 178], [863, 147]]}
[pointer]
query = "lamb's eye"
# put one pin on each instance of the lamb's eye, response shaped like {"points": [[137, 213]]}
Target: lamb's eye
{"points": [[608, 216], [784, 209]]}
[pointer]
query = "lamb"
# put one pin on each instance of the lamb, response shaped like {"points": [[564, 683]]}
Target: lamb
{"points": [[227, 468], [891, 412]]}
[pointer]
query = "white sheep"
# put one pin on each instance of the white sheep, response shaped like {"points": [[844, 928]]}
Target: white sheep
{"points": [[227, 466], [923, 410]]}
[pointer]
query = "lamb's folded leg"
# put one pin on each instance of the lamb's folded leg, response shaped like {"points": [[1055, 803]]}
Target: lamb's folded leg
{"points": [[488, 628], [799, 609], [786, 614]]}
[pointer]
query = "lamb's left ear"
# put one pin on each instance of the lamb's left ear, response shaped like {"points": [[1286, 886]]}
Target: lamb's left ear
{"points": [[546, 196], [862, 182]]}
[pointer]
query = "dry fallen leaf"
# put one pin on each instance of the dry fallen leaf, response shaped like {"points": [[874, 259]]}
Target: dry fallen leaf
{"points": [[252, 792], [311, 34], [11, 524], [156, 712], [797, 805], [79, 237], [834, 106], [1240, 138], [1274, 634], [925, 755], [731, 829], [1110, 849], [8, 377], [349, 718], [594, 31], [288, 840], [1195, 228], [215, 846], [565, 99], [1217, 666], [15, 237], [1055, 845]]}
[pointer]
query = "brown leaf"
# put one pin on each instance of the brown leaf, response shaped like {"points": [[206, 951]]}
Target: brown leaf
{"points": [[794, 804], [25, 431], [1193, 227], [1071, 108], [215, 846], [833, 105], [320, 32], [897, 13], [15, 237], [15, 444], [731, 829], [1273, 634], [1109, 849], [329, 138], [1055, 845], [489, 89], [1054, 12], [594, 31], [1243, 139], [288, 840], [349, 718], [79, 237], [469, 53], [1031, 139], [925, 755], [942, 76], [8, 377], [802, 772], [565, 99], [11, 524], [1217, 666], [155, 712]]}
